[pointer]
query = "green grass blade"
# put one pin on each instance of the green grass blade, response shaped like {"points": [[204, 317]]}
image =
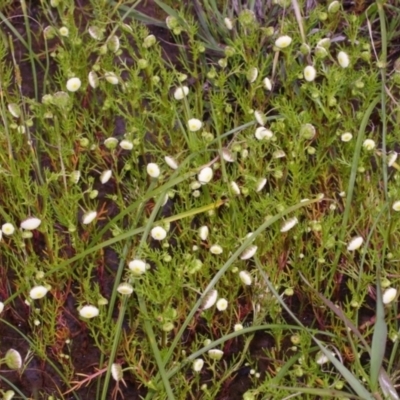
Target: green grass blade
{"points": [[356, 385], [379, 338], [352, 179]]}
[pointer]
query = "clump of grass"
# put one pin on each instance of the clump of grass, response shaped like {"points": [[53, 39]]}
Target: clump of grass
{"points": [[167, 194]]}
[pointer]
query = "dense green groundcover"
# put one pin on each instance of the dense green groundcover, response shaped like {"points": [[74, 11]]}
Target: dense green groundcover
{"points": [[199, 200]]}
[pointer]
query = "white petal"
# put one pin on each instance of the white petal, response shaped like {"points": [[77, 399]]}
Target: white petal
{"points": [[111, 78], [389, 295], [260, 184], [93, 79], [171, 162], [396, 205], [289, 224], [209, 299], [235, 188], [203, 232], [343, 59], [267, 84], [205, 175], [181, 92], [248, 253], [260, 117], [31, 223], [198, 365], [245, 277], [216, 249], [355, 243], [89, 217], [227, 155], [116, 372], [126, 144], [105, 176]]}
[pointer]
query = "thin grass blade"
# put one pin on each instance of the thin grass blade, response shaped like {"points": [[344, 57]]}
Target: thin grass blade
{"points": [[379, 338]]}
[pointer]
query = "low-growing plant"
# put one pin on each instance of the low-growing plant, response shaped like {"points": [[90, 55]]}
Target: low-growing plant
{"points": [[199, 200]]}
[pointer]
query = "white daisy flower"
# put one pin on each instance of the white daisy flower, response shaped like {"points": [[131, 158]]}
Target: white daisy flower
{"points": [[369, 144], [346, 137], [138, 267], [89, 311], [158, 233], [283, 41], [309, 73], [126, 144], [8, 229], [73, 84], [125, 288], [216, 249], [222, 304], [238, 327], [180, 93], [194, 124], [153, 170], [63, 31], [38, 292], [215, 354]]}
